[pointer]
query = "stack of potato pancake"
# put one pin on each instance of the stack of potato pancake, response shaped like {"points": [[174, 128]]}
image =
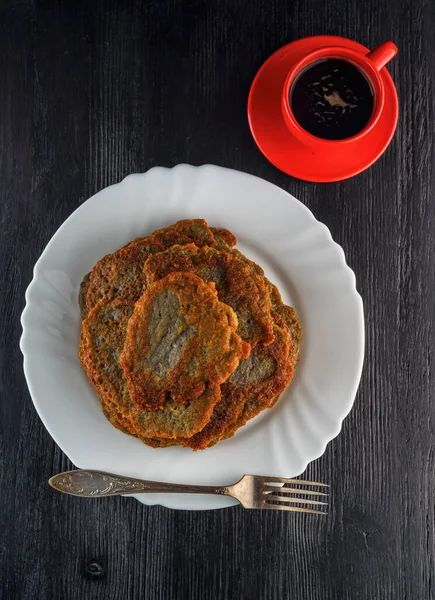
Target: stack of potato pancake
{"points": [[184, 338]]}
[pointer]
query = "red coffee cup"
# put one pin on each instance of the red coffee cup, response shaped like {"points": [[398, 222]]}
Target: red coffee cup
{"points": [[293, 149], [369, 65]]}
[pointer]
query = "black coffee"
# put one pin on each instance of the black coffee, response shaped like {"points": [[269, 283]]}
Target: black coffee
{"points": [[332, 99]]}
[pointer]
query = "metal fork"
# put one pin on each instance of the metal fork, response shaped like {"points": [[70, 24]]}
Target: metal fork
{"points": [[252, 491]]}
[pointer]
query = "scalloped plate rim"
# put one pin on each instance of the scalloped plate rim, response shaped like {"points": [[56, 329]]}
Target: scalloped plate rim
{"points": [[321, 444]]}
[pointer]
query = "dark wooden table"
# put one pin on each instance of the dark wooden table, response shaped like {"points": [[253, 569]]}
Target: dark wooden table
{"points": [[93, 91]]}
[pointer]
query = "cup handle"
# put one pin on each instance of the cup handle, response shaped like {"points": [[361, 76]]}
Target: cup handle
{"points": [[382, 54]]}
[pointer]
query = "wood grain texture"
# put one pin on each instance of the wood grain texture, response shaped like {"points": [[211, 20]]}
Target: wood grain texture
{"points": [[92, 91]]}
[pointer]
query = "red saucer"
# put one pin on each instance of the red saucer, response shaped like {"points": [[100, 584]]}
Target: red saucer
{"points": [[323, 163]]}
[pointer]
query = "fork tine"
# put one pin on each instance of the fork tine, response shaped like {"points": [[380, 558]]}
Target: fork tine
{"points": [[292, 500], [274, 488], [283, 480], [292, 509]]}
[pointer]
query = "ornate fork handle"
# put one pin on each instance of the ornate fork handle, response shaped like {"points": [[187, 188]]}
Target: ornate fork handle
{"points": [[96, 484]]}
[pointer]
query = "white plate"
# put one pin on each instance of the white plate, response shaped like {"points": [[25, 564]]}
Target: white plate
{"points": [[296, 252]]}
